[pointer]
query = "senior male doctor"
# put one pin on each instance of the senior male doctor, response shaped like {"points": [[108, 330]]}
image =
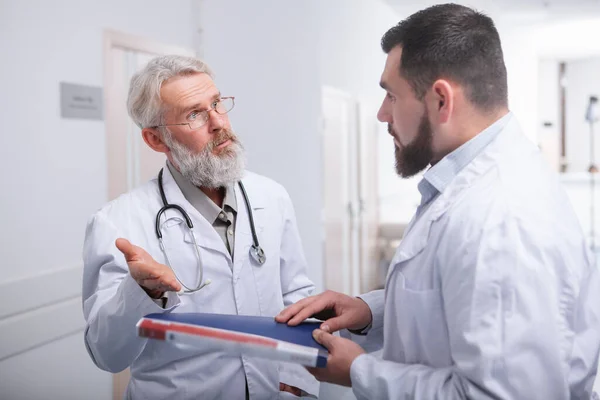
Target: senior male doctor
{"points": [[492, 292], [242, 256]]}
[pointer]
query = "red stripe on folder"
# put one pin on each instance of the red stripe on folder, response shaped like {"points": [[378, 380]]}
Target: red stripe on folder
{"points": [[160, 329]]}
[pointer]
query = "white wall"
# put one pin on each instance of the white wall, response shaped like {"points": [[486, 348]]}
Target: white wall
{"points": [[352, 61], [571, 39], [349, 46], [520, 57], [58, 370], [54, 170]]}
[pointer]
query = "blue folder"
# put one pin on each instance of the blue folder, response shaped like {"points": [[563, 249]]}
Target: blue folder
{"points": [[255, 325]]}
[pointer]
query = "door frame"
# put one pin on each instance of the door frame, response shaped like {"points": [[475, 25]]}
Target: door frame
{"points": [[347, 266]]}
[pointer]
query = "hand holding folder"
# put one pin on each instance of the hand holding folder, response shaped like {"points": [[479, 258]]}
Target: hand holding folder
{"points": [[238, 334]]}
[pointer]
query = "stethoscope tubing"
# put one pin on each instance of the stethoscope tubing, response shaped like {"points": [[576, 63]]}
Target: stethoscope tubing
{"points": [[256, 251]]}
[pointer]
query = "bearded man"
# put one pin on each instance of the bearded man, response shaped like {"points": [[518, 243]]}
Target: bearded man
{"points": [[493, 292], [184, 242]]}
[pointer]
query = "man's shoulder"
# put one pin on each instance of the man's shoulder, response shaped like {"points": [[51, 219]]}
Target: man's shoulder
{"points": [[130, 203], [528, 200], [263, 184]]}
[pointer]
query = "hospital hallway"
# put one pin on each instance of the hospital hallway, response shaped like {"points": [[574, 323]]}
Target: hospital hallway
{"points": [[305, 77]]}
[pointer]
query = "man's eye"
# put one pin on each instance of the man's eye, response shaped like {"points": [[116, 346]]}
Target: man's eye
{"points": [[392, 98], [193, 115], [215, 103]]}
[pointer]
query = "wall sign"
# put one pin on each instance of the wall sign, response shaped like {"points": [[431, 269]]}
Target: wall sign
{"points": [[80, 101]]}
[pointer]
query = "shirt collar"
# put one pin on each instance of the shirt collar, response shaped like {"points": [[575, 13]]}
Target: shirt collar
{"points": [[201, 202], [438, 177]]}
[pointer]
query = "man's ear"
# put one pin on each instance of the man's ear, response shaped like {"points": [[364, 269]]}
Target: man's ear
{"points": [[152, 137], [440, 100]]}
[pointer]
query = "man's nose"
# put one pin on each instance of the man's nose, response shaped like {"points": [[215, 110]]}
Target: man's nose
{"points": [[216, 121], [382, 114]]}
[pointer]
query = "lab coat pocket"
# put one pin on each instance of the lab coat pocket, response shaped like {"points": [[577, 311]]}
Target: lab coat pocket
{"points": [[243, 226], [266, 277], [421, 322]]}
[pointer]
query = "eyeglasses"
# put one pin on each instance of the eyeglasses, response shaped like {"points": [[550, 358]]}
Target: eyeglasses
{"points": [[197, 119]]}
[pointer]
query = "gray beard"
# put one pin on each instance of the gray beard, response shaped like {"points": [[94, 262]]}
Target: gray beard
{"points": [[206, 169]]}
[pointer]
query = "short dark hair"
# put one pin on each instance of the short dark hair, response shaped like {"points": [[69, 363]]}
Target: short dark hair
{"points": [[456, 43]]}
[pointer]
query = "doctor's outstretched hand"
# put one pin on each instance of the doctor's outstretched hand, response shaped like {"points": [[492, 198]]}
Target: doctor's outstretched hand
{"points": [[155, 278], [338, 310]]}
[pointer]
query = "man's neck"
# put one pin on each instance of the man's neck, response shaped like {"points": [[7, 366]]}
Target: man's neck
{"points": [[476, 123], [473, 124], [216, 195]]}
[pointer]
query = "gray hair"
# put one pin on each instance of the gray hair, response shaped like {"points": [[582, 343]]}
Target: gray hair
{"points": [[143, 102]]}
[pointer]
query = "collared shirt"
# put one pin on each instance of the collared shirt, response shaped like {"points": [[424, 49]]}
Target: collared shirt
{"points": [[221, 218], [438, 177]]}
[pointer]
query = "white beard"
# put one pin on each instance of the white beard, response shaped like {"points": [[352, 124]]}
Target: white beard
{"points": [[206, 169]]}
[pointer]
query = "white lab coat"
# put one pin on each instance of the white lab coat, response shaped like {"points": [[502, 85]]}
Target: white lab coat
{"points": [[113, 302], [492, 293]]}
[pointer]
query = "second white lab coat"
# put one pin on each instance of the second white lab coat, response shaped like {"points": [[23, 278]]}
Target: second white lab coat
{"points": [[113, 302], [492, 293]]}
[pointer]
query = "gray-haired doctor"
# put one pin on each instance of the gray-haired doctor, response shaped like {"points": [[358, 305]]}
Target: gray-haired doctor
{"points": [[242, 256]]}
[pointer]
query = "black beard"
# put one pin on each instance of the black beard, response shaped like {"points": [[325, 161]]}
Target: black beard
{"points": [[417, 155]]}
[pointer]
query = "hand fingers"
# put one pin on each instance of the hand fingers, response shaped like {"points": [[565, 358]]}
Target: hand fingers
{"points": [[126, 248], [147, 272], [154, 276], [305, 308], [336, 323], [324, 338], [170, 285], [325, 314], [141, 272], [292, 310], [316, 372], [314, 307], [290, 389]]}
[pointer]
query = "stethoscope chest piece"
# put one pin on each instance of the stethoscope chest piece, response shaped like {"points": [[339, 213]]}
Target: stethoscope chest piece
{"points": [[258, 254]]}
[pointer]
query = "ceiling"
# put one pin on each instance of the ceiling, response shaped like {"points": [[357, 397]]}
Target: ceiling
{"points": [[518, 10]]}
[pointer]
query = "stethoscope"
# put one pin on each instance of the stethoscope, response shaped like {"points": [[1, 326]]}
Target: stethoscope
{"points": [[256, 252]]}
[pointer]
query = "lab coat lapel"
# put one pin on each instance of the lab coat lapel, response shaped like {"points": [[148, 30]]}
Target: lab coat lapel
{"points": [[206, 236], [243, 232], [417, 234]]}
